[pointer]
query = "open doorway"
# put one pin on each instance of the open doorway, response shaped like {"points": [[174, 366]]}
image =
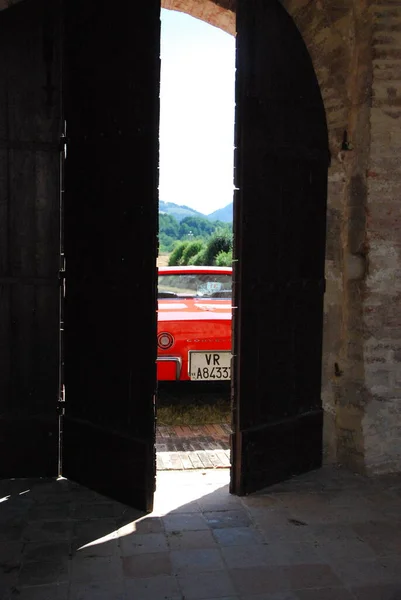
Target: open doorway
{"points": [[110, 227], [197, 89]]}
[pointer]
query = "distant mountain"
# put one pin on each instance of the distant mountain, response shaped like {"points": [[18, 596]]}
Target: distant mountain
{"points": [[222, 214], [178, 211]]}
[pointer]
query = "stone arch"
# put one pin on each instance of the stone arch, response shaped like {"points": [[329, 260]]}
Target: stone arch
{"points": [[339, 41], [312, 22], [362, 105], [205, 10]]}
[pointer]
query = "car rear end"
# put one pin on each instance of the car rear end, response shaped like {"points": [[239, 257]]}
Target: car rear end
{"points": [[194, 324], [196, 349]]}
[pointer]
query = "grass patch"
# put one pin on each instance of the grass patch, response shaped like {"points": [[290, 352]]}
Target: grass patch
{"points": [[194, 414]]}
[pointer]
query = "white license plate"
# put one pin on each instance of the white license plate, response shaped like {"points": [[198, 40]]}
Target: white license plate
{"points": [[209, 366]]}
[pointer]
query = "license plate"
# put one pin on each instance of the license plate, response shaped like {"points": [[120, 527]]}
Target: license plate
{"points": [[209, 366]]}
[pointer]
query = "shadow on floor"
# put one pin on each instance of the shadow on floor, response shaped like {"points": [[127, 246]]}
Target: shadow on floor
{"points": [[328, 535]]}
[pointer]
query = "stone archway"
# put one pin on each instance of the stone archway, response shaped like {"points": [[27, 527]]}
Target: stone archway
{"points": [[205, 10], [222, 14], [362, 340], [361, 359]]}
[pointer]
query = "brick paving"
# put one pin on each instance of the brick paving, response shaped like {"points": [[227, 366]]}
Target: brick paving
{"points": [[187, 447], [327, 535]]}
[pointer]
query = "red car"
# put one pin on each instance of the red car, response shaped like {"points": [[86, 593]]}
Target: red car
{"points": [[194, 324]]}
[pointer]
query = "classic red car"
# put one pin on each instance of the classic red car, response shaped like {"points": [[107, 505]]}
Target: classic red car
{"points": [[194, 324]]}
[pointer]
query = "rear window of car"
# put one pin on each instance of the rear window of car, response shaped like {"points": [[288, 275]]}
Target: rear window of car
{"points": [[195, 285]]}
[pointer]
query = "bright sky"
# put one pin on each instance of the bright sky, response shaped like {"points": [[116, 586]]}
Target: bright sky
{"points": [[197, 113]]}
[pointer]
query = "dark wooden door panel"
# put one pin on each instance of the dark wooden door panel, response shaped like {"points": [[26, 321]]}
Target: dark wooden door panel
{"points": [[30, 125], [280, 218], [111, 210]]}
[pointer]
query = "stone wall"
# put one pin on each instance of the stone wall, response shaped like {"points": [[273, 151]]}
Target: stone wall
{"points": [[356, 50], [382, 300], [333, 34]]}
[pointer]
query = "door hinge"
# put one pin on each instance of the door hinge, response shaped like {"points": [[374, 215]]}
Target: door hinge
{"points": [[61, 280], [63, 141], [61, 401]]}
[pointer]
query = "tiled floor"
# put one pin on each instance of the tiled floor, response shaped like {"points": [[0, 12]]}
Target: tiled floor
{"points": [[329, 535], [193, 447]]}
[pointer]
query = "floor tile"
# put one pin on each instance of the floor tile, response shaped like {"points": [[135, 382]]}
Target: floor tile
{"points": [[96, 534], [383, 538], [199, 586], [189, 561], [227, 518], [225, 598], [184, 522], [100, 547], [88, 530], [293, 553], [259, 580], [161, 587], [8, 580], [43, 530], [149, 525], [105, 590], [180, 540], [366, 572], [10, 552], [147, 565], [339, 593], [44, 572], [311, 576], [50, 511], [273, 596], [354, 548], [377, 592], [271, 515], [236, 536], [94, 569], [262, 500], [45, 551], [251, 555], [219, 500], [143, 543], [43, 592], [94, 511], [12, 530], [287, 532]]}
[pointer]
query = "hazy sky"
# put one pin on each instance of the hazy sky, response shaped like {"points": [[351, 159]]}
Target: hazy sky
{"points": [[197, 113]]}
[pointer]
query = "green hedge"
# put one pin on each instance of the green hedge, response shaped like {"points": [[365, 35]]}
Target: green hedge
{"points": [[216, 252]]}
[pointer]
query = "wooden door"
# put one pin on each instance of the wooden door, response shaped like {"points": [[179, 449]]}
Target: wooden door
{"points": [[111, 104], [281, 164], [30, 127]]}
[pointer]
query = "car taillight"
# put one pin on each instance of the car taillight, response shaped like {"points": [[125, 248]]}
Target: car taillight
{"points": [[165, 340]]}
